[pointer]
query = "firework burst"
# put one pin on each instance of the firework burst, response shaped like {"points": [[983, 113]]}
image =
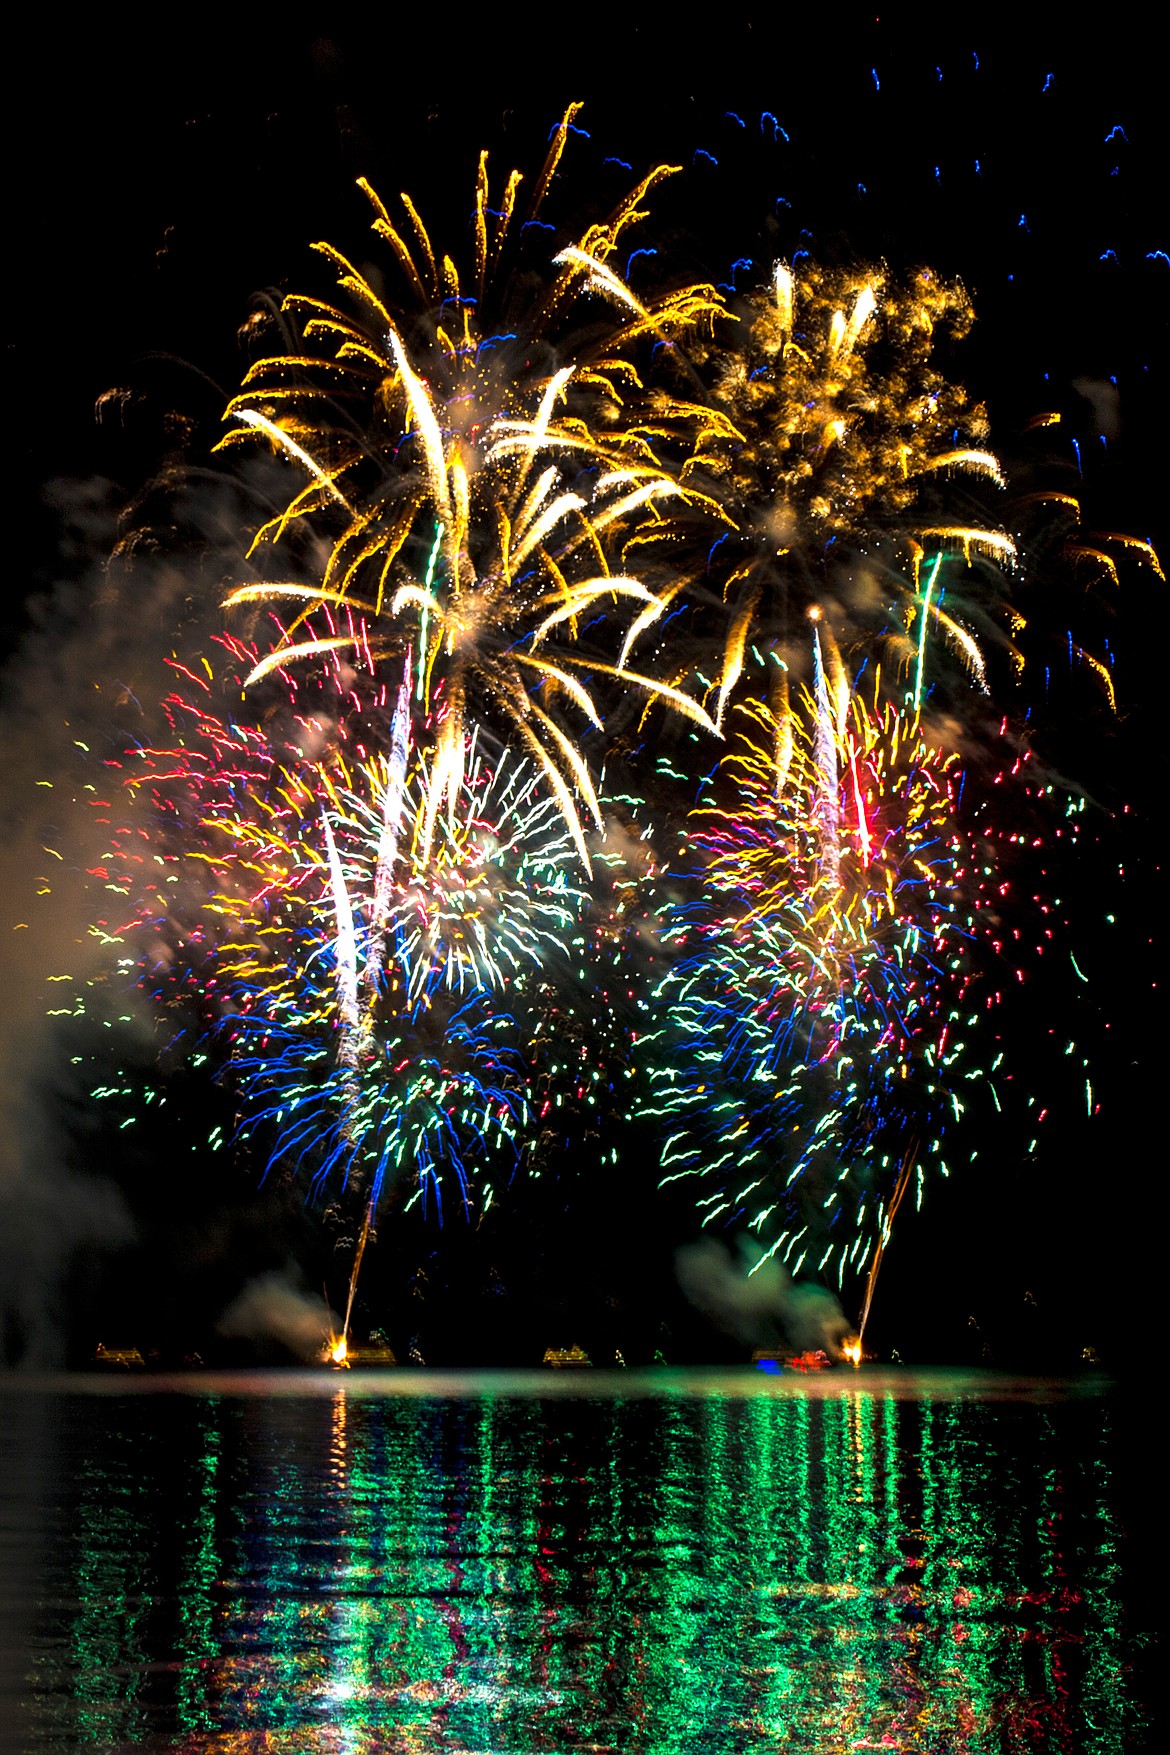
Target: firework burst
{"points": [[455, 491], [807, 1038], [352, 977], [827, 453]]}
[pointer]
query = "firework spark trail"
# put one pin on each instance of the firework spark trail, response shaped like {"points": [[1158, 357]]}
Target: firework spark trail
{"points": [[891, 1213], [827, 808], [392, 804], [345, 952]]}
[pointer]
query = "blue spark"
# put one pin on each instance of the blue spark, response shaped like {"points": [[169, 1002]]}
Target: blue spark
{"points": [[633, 256]]}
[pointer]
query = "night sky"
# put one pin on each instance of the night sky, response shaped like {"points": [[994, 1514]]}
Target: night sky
{"points": [[153, 191]]}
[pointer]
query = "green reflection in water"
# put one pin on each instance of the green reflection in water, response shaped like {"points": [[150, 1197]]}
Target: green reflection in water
{"points": [[663, 1574], [106, 1650], [198, 1641]]}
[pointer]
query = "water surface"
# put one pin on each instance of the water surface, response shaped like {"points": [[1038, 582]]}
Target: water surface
{"points": [[666, 1561]]}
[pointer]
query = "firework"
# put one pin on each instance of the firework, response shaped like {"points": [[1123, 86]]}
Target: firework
{"points": [[807, 1037], [351, 976], [1065, 612], [492, 891], [471, 501], [827, 452], [376, 864]]}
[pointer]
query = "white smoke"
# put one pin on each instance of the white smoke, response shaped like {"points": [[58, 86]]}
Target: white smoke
{"points": [[1105, 401], [758, 1301], [75, 688], [274, 1307]]}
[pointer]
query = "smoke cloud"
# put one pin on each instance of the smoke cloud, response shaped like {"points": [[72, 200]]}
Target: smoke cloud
{"points": [[758, 1301], [275, 1308], [72, 695], [1102, 395]]}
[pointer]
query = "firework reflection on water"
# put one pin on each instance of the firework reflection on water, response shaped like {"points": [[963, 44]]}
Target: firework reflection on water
{"points": [[715, 1561]]}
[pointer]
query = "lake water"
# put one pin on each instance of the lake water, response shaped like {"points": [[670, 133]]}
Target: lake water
{"points": [[666, 1561]]}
